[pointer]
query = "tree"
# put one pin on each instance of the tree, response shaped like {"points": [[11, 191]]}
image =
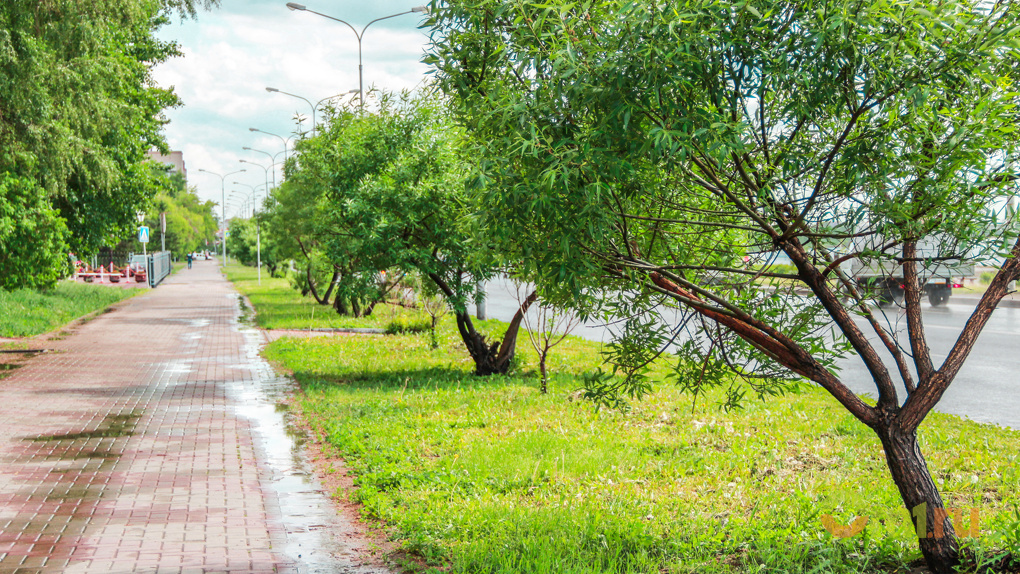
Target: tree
{"points": [[78, 109], [668, 153], [297, 231], [548, 327], [32, 237], [395, 198]]}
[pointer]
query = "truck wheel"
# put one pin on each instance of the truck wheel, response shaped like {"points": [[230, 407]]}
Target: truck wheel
{"points": [[885, 297], [937, 297]]}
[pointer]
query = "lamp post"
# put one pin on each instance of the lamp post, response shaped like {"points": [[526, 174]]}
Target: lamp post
{"points": [[258, 235], [223, 207], [360, 35], [251, 197], [271, 157], [286, 141], [314, 106]]}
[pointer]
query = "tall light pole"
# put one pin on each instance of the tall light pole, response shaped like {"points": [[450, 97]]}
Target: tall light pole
{"points": [[360, 35], [258, 225], [223, 207], [314, 106], [258, 233], [286, 141], [271, 157]]}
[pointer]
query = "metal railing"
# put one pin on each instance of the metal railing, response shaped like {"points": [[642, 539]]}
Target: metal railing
{"points": [[157, 266]]}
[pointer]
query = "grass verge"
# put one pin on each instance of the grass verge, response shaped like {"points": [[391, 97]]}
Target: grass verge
{"points": [[26, 312], [487, 475], [474, 474], [279, 306]]}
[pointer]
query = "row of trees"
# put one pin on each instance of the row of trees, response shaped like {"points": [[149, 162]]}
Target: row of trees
{"points": [[638, 160], [78, 112]]}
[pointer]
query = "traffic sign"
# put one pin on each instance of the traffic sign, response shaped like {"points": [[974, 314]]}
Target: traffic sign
{"points": [[143, 234]]}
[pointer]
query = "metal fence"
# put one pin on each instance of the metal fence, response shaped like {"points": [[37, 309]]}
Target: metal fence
{"points": [[157, 266]]}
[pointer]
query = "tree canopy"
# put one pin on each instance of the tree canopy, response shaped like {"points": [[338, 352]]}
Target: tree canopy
{"points": [[667, 154], [391, 194], [78, 111]]}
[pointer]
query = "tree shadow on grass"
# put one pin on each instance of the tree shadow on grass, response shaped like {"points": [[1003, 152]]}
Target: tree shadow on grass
{"points": [[437, 378]]}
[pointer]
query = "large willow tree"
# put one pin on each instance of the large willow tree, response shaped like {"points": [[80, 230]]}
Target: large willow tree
{"points": [[668, 151]]}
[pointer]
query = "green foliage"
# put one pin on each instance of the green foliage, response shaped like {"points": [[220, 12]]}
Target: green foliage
{"points": [[27, 312], [618, 138], [404, 324], [32, 236], [243, 241], [279, 306], [488, 475], [190, 223], [393, 192], [79, 110], [665, 154]]}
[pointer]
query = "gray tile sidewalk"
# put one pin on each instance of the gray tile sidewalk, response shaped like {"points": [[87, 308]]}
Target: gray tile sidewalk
{"points": [[128, 449]]}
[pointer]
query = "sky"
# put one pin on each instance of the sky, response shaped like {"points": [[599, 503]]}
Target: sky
{"points": [[232, 53]]}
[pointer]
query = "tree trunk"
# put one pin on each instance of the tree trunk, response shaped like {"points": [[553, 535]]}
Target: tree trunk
{"points": [[340, 304], [489, 359], [332, 285], [920, 495], [545, 373]]}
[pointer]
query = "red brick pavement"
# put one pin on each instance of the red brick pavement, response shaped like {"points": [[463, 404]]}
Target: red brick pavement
{"points": [[126, 449]]}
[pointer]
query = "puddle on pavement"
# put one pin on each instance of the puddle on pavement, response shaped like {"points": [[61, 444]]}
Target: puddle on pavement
{"points": [[308, 515], [247, 317], [59, 508], [113, 426], [6, 368]]}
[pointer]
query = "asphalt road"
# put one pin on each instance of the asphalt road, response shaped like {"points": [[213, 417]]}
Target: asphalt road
{"points": [[987, 388]]}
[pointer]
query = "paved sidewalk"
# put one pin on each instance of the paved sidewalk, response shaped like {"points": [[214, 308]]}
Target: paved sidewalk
{"points": [[147, 443]]}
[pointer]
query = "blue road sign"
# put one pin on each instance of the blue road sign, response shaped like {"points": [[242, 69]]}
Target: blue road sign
{"points": [[143, 234]]}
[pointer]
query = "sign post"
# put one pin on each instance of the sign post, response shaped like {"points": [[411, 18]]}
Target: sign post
{"points": [[143, 237]]}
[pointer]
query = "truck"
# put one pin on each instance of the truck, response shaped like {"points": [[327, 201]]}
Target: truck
{"points": [[885, 279]]}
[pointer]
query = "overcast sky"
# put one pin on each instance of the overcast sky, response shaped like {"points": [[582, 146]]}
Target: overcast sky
{"points": [[233, 53]]}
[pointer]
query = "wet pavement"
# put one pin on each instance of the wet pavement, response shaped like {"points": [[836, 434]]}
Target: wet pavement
{"points": [[155, 439]]}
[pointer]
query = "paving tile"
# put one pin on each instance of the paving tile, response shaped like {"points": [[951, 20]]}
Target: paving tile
{"points": [[122, 450]]}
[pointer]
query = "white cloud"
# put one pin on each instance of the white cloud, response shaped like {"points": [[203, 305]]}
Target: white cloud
{"points": [[231, 55]]}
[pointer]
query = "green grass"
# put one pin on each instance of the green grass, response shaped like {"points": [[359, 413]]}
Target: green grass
{"points": [[25, 312], [279, 306], [477, 474]]}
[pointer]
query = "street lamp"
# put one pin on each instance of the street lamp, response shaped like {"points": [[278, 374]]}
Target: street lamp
{"points": [[361, 83], [314, 106], [286, 141], [271, 156], [258, 237], [223, 208]]}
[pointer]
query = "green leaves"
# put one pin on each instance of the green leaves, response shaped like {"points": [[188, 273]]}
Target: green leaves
{"points": [[32, 237], [619, 138], [78, 109]]}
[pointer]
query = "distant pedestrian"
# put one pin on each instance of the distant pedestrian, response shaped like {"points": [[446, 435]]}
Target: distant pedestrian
{"points": [[189, 260]]}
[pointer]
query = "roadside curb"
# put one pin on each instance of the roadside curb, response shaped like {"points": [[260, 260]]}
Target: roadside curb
{"points": [[1009, 302]]}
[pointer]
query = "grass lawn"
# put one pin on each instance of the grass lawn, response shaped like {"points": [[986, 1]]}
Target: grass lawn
{"points": [[26, 312], [473, 474], [477, 474], [279, 306]]}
